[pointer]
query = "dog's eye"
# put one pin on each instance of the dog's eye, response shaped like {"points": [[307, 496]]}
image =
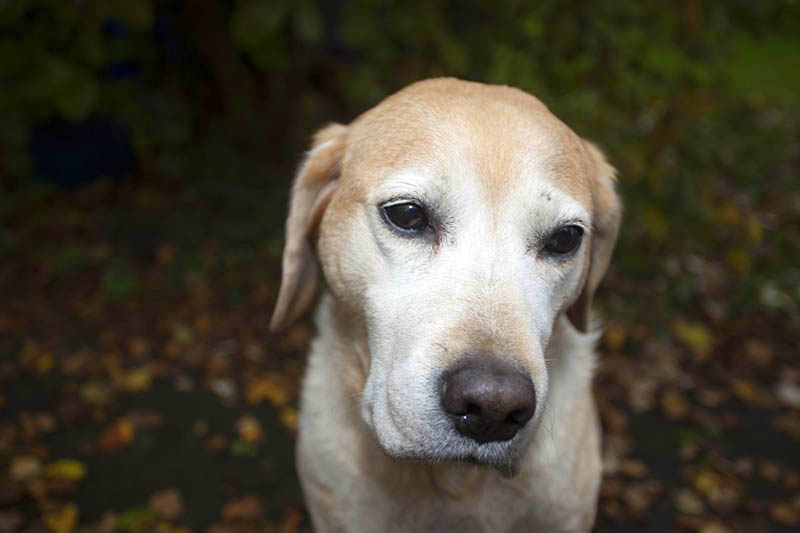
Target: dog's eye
{"points": [[564, 239], [408, 217]]}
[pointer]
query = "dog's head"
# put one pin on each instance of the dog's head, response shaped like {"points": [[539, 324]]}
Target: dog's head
{"points": [[457, 222]]}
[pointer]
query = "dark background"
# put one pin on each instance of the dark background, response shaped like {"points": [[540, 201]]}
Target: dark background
{"points": [[146, 149]]}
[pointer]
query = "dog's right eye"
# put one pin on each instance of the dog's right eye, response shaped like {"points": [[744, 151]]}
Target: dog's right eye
{"points": [[406, 216]]}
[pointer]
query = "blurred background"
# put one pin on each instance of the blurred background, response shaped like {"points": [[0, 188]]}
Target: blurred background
{"points": [[146, 150]]}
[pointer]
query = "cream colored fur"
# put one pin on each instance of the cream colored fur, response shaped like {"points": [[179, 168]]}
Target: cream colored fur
{"points": [[376, 451]]}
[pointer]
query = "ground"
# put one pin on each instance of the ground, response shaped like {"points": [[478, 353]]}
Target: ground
{"points": [[141, 390]]}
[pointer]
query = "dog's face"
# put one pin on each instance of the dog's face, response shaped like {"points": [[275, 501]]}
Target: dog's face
{"points": [[457, 222]]}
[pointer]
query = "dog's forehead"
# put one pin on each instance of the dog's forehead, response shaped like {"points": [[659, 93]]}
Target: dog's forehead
{"points": [[502, 135]]}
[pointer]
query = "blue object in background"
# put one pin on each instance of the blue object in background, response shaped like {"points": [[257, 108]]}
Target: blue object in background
{"points": [[71, 154]]}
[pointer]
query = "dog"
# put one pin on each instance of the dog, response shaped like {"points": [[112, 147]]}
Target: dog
{"points": [[462, 230]]}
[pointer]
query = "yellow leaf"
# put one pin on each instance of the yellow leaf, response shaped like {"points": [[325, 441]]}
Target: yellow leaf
{"points": [[745, 391], [615, 335], [738, 259], [268, 387], [250, 429], [695, 336], [68, 469], [755, 231], [728, 214], [137, 380], [706, 482], [655, 224], [62, 521], [289, 418], [44, 363]]}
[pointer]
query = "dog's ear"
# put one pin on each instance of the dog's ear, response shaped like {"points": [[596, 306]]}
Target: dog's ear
{"points": [[312, 191], [605, 225]]}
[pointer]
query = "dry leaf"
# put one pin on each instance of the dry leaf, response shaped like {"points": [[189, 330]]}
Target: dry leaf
{"points": [[10, 521], [269, 387], [119, 435], [289, 418], [786, 514], [63, 520], [674, 404], [249, 429], [137, 380], [688, 502], [633, 468], [25, 467], [695, 336], [167, 504], [641, 495], [248, 508]]}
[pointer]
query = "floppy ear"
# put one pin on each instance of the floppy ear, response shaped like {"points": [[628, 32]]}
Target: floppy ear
{"points": [[312, 191], [605, 225]]}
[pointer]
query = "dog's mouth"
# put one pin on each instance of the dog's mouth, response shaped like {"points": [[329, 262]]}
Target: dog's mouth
{"points": [[502, 456]]}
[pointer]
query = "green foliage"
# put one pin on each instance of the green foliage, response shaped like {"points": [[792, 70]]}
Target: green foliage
{"points": [[696, 103]]}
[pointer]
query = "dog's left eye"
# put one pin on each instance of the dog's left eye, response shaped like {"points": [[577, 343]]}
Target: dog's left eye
{"points": [[564, 240], [407, 216]]}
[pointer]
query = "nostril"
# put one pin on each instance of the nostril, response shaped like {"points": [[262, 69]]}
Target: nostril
{"points": [[518, 416], [473, 409], [514, 417]]}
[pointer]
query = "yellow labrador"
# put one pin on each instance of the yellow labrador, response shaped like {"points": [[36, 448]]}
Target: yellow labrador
{"points": [[462, 230]]}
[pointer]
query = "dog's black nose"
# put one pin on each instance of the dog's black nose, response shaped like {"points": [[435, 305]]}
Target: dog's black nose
{"points": [[489, 400]]}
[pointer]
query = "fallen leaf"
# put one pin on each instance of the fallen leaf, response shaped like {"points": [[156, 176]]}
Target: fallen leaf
{"points": [[633, 468], [695, 336], [167, 504], [248, 508], [786, 514], [63, 520], [217, 443], [76, 363], [289, 418], [136, 519], [139, 347], [144, 420], [117, 436], [66, 469], [641, 395], [748, 393], [249, 429], [225, 388], [10, 521], [758, 352], [615, 334], [788, 391], [241, 448], [641, 495], [95, 392], [788, 423], [674, 404], [107, 523], [688, 502], [25, 467], [791, 481], [292, 519], [770, 470], [269, 387], [137, 380], [713, 527]]}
